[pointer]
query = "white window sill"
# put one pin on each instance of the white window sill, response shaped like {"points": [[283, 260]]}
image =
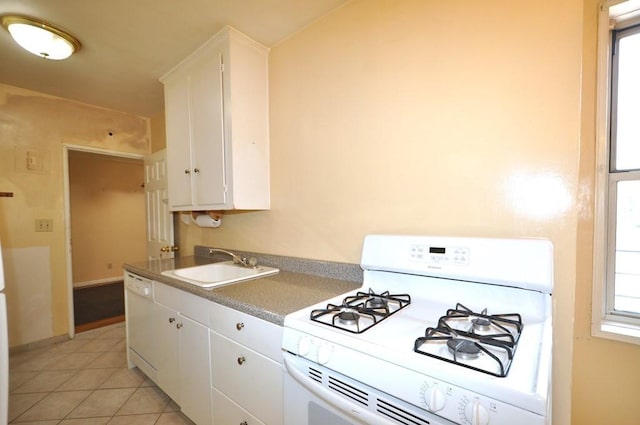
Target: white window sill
{"points": [[617, 331]]}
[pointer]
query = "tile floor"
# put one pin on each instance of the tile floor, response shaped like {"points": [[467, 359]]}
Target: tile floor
{"points": [[85, 381]]}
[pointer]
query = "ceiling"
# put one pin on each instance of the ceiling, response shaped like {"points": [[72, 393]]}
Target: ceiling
{"points": [[127, 45]]}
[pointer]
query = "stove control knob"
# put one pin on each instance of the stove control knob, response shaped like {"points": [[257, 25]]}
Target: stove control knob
{"points": [[476, 413], [324, 353], [434, 398], [304, 346]]}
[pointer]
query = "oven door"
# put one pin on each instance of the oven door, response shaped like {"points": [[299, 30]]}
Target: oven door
{"points": [[315, 395]]}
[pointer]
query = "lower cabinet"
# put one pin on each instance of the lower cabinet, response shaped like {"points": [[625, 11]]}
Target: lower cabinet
{"points": [[226, 412], [246, 368], [251, 380], [221, 366], [183, 358]]}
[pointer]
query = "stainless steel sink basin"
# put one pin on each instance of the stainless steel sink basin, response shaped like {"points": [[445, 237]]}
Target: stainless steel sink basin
{"points": [[218, 274]]}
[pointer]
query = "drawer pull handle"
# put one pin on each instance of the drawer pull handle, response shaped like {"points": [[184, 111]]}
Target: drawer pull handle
{"points": [[172, 319], [239, 326], [241, 360], [244, 423], [179, 325]]}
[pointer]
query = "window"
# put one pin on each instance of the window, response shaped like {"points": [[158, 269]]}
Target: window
{"points": [[616, 306]]}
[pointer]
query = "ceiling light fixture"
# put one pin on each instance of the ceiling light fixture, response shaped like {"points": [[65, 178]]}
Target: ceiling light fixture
{"points": [[40, 38]]}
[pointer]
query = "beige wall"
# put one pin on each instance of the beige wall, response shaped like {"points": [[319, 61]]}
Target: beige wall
{"points": [[605, 373], [158, 133], [428, 117], [43, 124], [108, 220]]}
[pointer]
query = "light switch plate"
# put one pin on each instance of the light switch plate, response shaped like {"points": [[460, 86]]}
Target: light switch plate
{"points": [[44, 225]]}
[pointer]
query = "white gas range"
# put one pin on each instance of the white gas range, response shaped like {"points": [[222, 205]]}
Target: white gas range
{"points": [[443, 331]]}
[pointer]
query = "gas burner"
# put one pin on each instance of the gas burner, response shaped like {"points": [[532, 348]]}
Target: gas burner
{"points": [[463, 348], [361, 311], [383, 302], [348, 317], [478, 341], [376, 302], [504, 327], [481, 324]]}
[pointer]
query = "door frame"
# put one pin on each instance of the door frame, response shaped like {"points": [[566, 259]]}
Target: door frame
{"points": [[66, 147]]}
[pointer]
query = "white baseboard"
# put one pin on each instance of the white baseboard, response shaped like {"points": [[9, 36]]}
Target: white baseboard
{"points": [[97, 282]]}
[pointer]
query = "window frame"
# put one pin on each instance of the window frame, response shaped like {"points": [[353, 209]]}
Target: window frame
{"points": [[606, 321]]}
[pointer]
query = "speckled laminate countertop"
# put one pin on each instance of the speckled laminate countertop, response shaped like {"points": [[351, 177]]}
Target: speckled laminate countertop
{"points": [[269, 298]]}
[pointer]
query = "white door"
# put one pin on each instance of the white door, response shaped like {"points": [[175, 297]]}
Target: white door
{"points": [[159, 218]]}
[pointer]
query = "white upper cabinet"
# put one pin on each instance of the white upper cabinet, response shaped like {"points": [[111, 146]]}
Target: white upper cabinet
{"points": [[217, 117]]}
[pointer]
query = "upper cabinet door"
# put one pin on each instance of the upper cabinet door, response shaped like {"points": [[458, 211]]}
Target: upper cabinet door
{"points": [[178, 131], [217, 116], [207, 145]]}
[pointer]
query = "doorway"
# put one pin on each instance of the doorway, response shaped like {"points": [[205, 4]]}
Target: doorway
{"points": [[105, 227]]}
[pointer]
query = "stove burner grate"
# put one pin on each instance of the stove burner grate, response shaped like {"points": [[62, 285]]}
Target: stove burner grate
{"points": [[469, 336], [361, 311]]}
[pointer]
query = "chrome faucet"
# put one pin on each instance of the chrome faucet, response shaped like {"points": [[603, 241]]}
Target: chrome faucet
{"points": [[250, 263]]}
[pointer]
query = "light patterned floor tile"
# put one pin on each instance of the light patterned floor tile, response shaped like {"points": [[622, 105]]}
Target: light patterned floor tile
{"points": [[86, 421], [18, 378], [99, 345], [71, 346], [176, 418], [45, 381], [148, 419], [87, 379], [90, 382], [55, 405], [20, 403], [145, 400], [73, 361], [117, 331], [125, 378], [109, 359], [172, 407], [102, 403], [120, 346], [39, 363]]}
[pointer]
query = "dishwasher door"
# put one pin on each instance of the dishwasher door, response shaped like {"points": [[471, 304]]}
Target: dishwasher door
{"points": [[139, 310]]}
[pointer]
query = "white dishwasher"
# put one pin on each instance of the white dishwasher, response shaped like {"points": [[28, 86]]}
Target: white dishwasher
{"points": [[139, 311]]}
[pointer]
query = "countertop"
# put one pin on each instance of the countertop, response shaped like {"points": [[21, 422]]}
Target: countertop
{"points": [[269, 298]]}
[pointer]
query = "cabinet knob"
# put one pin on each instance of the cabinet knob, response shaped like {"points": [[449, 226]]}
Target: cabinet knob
{"points": [[172, 319], [196, 170], [239, 326], [179, 325], [244, 423], [241, 360], [187, 171]]}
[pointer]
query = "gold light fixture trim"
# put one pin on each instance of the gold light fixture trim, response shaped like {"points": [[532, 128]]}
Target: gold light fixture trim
{"points": [[40, 38]]}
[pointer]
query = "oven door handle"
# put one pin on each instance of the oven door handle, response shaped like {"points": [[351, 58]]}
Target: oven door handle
{"points": [[335, 401]]}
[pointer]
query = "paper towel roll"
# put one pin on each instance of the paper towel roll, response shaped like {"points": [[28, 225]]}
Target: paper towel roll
{"points": [[205, 220]]}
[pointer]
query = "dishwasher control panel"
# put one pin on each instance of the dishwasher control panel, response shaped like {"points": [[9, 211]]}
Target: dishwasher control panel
{"points": [[139, 285]]}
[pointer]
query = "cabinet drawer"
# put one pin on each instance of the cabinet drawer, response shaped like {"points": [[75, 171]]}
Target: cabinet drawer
{"points": [[183, 302], [257, 334], [248, 378], [226, 411]]}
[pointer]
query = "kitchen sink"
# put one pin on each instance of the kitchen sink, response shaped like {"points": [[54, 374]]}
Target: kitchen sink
{"points": [[213, 275]]}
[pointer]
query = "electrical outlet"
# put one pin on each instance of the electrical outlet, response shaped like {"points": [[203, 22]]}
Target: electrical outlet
{"points": [[44, 225]]}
